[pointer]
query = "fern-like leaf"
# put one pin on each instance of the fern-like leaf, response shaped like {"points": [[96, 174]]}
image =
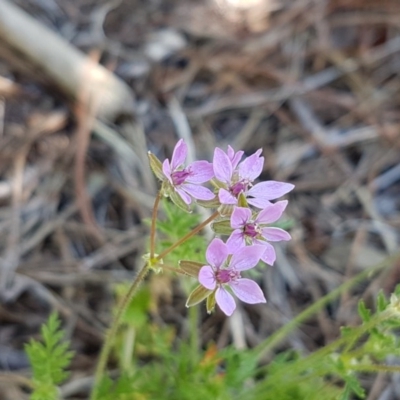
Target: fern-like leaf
{"points": [[49, 360]]}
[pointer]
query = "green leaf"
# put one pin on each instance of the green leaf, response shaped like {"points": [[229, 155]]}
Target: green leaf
{"points": [[363, 311], [49, 360], [381, 302]]}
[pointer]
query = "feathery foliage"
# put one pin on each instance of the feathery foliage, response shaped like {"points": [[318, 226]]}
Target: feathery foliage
{"points": [[49, 360]]}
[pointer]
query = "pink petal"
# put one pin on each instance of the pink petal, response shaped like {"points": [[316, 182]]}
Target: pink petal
{"points": [[230, 152], [251, 167], [272, 212], [225, 301], [198, 192], [248, 291], [200, 172], [166, 168], [222, 166], [270, 190], [240, 216], [275, 234], [226, 198], [246, 257], [258, 202], [269, 255], [207, 277], [216, 253], [235, 241], [179, 155], [235, 158], [185, 197]]}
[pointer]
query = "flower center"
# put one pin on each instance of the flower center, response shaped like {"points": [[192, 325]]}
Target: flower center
{"points": [[251, 230], [227, 275], [238, 188], [179, 177]]}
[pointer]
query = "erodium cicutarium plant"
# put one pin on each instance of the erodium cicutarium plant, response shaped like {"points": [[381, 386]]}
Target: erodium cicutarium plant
{"points": [[244, 210]]}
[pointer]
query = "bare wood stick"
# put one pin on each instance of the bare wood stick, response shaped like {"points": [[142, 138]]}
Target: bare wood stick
{"points": [[36, 50]]}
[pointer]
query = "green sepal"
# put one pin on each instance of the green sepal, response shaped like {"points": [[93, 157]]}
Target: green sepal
{"points": [[214, 203], [218, 184], [226, 210], [242, 201], [197, 296], [190, 268], [177, 200], [222, 227], [211, 302], [156, 166]]}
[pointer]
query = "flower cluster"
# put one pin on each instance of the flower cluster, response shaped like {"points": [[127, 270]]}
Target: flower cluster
{"points": [[246, 211]]}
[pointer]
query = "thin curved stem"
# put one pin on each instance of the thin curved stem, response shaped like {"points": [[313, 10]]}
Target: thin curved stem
{"points": [[110, 337], [153, 225], [376, 368]]}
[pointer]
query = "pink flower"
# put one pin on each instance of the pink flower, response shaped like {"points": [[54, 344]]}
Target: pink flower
{"points": [[239, 179], [224, 271], [252, 231], [186, 181]]}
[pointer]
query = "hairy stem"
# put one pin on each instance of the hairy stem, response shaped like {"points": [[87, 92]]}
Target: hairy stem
{"points": [[376, 368], [153, 225]]}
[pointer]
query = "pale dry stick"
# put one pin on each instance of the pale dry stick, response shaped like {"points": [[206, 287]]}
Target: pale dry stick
{"points": [[39, 52]]}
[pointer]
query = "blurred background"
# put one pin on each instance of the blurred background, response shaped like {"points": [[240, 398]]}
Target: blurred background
{"points": [[88, 86]]}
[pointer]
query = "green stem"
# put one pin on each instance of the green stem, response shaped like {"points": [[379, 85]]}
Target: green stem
{"points": [[153, 225], [375, 368], [265, 347], [188, 236], [194, 333], [110, 337]]}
